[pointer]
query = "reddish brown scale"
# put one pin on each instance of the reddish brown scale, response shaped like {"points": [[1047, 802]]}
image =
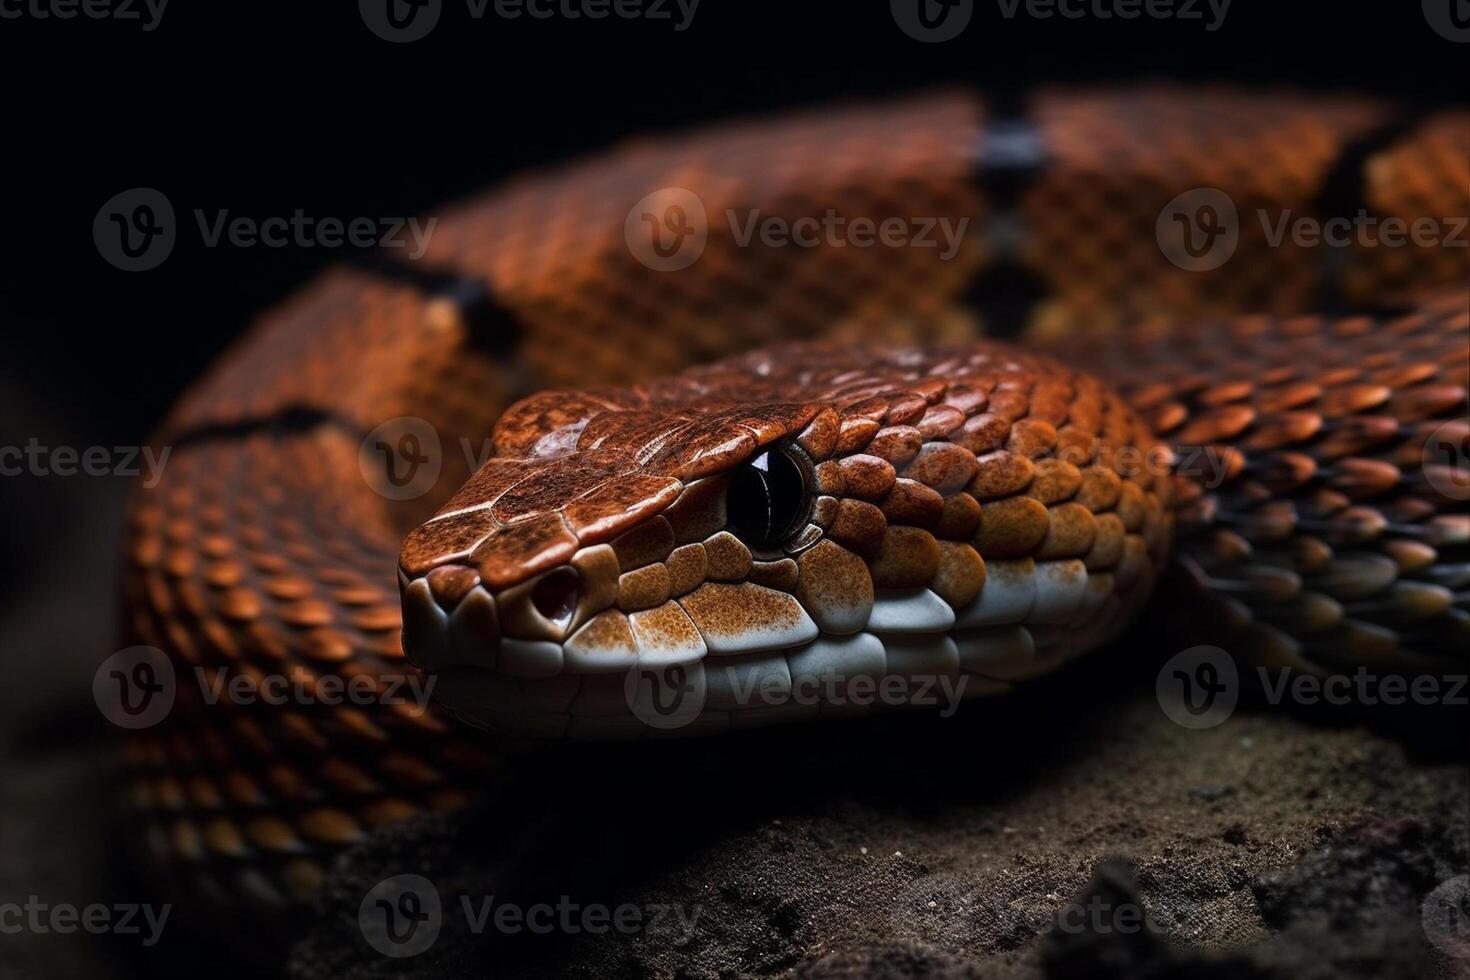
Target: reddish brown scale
{"points": [[268, 553], [1339, 478]]}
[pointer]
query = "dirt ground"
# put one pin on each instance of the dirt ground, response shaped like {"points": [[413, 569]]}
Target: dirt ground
{"points": [[1008, 841]]}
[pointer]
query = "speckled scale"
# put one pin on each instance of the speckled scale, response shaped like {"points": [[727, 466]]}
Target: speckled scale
{"points": [[1306, 470]]}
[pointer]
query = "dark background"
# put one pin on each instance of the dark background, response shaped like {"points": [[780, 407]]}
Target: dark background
{"points": [[264, 108]]}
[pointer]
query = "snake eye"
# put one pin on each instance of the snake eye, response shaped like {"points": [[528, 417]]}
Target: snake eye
{"points": [[769, 499]]}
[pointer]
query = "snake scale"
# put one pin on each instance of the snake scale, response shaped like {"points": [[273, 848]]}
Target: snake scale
{"points": [[776, 461]]}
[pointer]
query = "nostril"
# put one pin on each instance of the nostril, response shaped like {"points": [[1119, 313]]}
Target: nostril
{"points": [[556, 595]]}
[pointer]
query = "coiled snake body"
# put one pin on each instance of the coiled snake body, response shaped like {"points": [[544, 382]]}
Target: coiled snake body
{"points": [[891, 498]]}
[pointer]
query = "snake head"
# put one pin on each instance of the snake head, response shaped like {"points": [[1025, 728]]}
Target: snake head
{"points": [[779, 522]]}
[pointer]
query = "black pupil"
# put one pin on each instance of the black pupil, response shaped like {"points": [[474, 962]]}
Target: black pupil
{"points": [[767, 501]]}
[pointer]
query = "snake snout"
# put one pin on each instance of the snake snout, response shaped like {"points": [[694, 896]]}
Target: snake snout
{"points": [[453, 618]]}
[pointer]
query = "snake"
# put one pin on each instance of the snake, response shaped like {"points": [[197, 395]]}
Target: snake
{"points": [[549, 475]]}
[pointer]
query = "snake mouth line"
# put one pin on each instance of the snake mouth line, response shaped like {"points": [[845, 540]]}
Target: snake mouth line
{"points": [[913, 651]]}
